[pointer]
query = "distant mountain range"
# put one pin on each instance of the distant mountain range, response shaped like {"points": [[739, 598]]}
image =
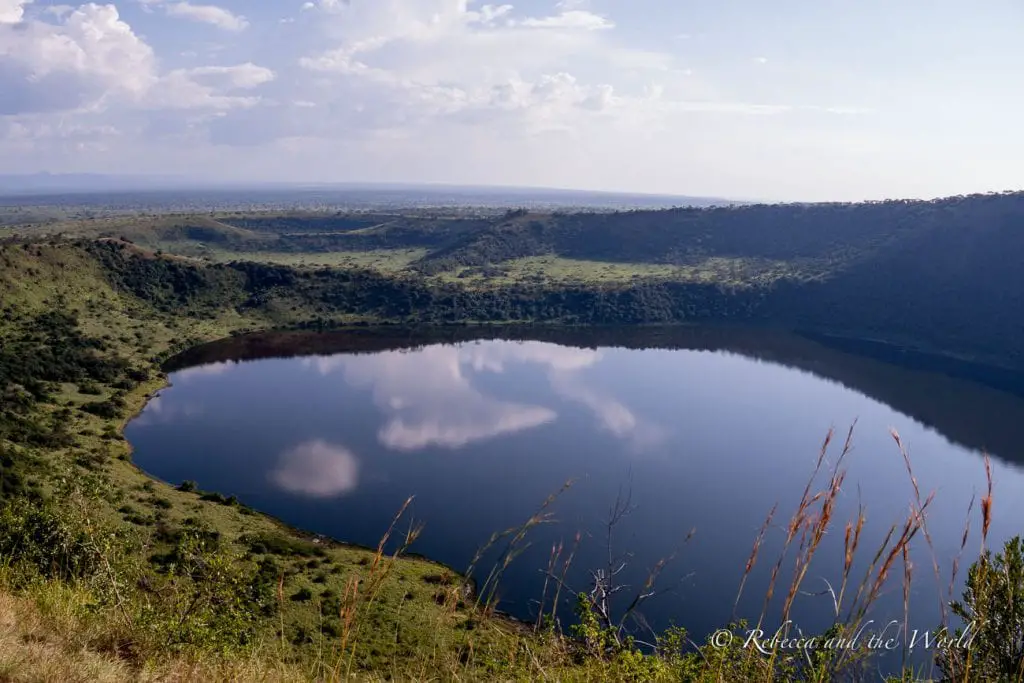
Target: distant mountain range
{"points": [[40, 185]]}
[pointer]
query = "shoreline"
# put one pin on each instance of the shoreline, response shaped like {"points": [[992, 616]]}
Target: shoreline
{"points": [[138, 403]]}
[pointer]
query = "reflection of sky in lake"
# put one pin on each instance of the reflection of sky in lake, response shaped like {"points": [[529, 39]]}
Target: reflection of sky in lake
{"points": [[430, 399], [316, 469], [481, 433]]}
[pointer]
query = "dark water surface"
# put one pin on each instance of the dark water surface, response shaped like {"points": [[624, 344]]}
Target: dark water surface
{"points": [[706, 429]]}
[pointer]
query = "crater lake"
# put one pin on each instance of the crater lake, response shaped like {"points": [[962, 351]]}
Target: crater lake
{"points": [[694, 435]]}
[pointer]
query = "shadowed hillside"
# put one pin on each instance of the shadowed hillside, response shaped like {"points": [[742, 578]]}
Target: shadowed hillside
{"points": [[936, 276]]}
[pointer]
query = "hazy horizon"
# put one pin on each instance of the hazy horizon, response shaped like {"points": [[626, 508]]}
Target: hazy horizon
{"points": [[783, 102], [46, 183], [87, 183]]}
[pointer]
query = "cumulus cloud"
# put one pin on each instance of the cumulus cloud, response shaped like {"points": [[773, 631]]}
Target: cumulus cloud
{"points": [[317, 469], [92, 53], [441, 59], [91, 60], [11, 11], [405, 67], [559, 95]]}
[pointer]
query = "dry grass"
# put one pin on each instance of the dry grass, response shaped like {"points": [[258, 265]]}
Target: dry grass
{"points": [[44, 638], [808, 526]]}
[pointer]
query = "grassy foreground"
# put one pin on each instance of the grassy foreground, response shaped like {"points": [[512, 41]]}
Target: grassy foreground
{"points": [[107, 575]]}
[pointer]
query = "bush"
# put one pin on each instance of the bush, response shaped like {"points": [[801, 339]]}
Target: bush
{"points": [[90, 388], [108, 409], [276, 544], [45, 539], [993, 610], [214, 497]]}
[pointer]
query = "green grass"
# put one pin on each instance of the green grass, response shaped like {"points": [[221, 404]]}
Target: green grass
{"points": [[380, 260], [556, 269]]}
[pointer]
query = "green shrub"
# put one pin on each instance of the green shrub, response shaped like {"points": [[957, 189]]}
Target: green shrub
{"points": [[45, 539], [108, 409], [278, 544], [992, 609], [90, 388]]}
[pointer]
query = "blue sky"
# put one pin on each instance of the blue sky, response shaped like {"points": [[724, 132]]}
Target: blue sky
{"points": [[782, 100]]}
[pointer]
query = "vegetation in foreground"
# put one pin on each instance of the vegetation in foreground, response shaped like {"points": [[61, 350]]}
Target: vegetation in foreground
{"points": [[108, 575]]}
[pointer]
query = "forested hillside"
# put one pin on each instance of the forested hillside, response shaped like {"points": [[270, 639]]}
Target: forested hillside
{"points": [[939, 276]]}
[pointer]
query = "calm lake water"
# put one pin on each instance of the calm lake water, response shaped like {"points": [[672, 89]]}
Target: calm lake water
{"points": [[705, 430]]}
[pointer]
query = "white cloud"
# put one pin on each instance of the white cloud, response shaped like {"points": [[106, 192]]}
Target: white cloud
{"points": [[572, 19], [244, 76], [326, 5], [317, 469], [563, 96], [208, 14], [91, 55], [437, 58], [92, 60], [12, 11], [184, 89]]}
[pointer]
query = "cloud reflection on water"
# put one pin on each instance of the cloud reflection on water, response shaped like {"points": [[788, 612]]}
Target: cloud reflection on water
{"points": [[612, 415], [317, 469], [210, 369], [429, 398], [159, 412]]}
